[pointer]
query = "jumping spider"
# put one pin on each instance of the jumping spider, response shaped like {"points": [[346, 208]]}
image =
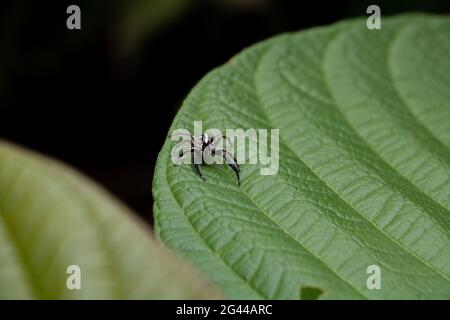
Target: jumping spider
{"points": [[199, 144]]}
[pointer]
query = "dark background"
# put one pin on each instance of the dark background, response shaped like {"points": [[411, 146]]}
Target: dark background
{"points": [[102, 98]]}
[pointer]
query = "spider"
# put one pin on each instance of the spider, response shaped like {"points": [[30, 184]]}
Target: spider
{"points": [[199, 144]]}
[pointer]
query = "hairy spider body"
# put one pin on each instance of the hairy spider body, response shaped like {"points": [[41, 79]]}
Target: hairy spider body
{"points": [[200, 144]]}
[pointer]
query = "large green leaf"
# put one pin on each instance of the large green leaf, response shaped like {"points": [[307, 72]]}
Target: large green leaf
{"points": [[51, 218], [364, 179]]}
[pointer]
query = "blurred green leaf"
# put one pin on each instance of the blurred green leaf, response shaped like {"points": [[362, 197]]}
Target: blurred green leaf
{"points": [[51, 218]]}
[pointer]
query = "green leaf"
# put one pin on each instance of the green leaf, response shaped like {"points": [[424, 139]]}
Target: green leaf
{"points": [[51, 218], [310, 293], [364, 174]]}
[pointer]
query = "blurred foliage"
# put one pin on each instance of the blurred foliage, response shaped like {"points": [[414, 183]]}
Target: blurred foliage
{"points": [[142, 18], [51, 217]]}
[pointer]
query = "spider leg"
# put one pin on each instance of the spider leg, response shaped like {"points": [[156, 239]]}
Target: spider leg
{"points": [[198, 172], [196, 166], [180, 155], [180, 134], [228, 139], [224, 149], [231, 161], [236, 170], [230, 154], [179, 152], [222, 137]]}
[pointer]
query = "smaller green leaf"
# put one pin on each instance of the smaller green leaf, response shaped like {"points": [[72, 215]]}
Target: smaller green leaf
{"points": [[52, 218], [310, 293]]}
